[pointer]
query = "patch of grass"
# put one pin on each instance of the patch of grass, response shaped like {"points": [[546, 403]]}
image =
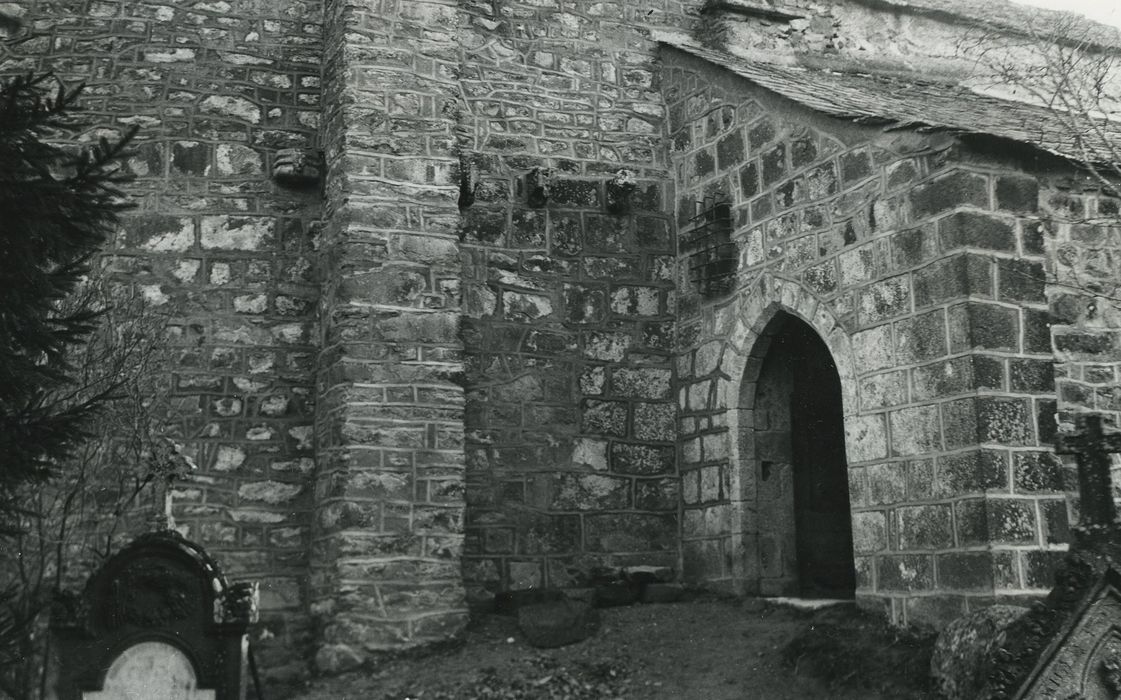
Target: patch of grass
{"points": [[851, 650]]}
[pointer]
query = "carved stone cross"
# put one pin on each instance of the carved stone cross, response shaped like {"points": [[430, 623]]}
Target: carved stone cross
{"points": [[1092, 448], [168, 463]]}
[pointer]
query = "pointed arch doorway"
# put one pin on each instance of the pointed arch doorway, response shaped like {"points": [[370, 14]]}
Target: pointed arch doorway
{"points": [[797, 429]]}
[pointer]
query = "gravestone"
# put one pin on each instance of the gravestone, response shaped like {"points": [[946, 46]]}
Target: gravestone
{"points": [[158, 621]]}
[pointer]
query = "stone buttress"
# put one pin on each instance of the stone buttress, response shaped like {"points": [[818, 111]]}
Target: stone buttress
{"points": [[389, 488]]}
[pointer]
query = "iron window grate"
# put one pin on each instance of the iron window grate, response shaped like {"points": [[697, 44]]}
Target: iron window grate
{"points": [[707, 242]]}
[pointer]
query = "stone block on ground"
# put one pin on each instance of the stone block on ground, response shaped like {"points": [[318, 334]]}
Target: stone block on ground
{"points": [[558, 623], [962, 652], [648, 574]]}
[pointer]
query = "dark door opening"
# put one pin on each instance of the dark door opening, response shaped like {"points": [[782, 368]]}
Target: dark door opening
{"points": [[818, 468]]}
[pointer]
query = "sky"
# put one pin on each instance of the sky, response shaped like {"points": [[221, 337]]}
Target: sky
{"points": [[1105, 11]]}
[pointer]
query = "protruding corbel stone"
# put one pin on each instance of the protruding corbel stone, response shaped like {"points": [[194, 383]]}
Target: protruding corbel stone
{"points": [[538, 183], [297, 168], [619, 192]]}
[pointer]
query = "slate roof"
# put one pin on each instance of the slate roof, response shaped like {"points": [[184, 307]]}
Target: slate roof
{"points": [[1009, 15], [895, 102]]}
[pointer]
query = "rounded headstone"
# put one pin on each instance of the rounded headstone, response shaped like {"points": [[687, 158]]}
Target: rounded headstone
{"points": [[555, 624]]}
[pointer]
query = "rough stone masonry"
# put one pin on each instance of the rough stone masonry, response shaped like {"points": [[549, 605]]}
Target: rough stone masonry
{"points": [[530, 325]]}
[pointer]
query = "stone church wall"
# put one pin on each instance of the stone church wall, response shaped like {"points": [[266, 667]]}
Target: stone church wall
{"points": [[922, 268], [217, 88], [569, 309], [431, 381]]}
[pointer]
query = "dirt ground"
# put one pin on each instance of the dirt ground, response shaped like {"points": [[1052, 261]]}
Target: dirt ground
{"points": [[708, 649]]}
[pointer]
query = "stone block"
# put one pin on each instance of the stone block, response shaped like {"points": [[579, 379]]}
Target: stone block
{"points": [[973, 230], [925, 527], [644, 460], [1087, 344], [942, 379], [865, 438], [1037, 330], [645, 574], [874, 349], [642, 383], [901, 173], [749, 180], [1017, 194], [976, 325], [606, 347], [857, 266], [584, 304], [590, 492], [761, 133], [655, 421], [653, 233], [1040, 567], [988, 372], [656, 494], [1055, 521], [575, 193], [922, 337], [888, 483], [883, 390], [821, 278], [975, 471], [590, 453], [703, 163], [774, 165], [855, 166], [819, 183], [1021, 281], [1006, 421], [869, 532], [965, 571], [606, 234], [885, 299], [914, 246], [1031, 376], [730, 150], [1012, 521], [956, 277], [803, 150], [1036, 472], [236, 232], [904, 573], [604, 417], [956, 189], [915, 430]]}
